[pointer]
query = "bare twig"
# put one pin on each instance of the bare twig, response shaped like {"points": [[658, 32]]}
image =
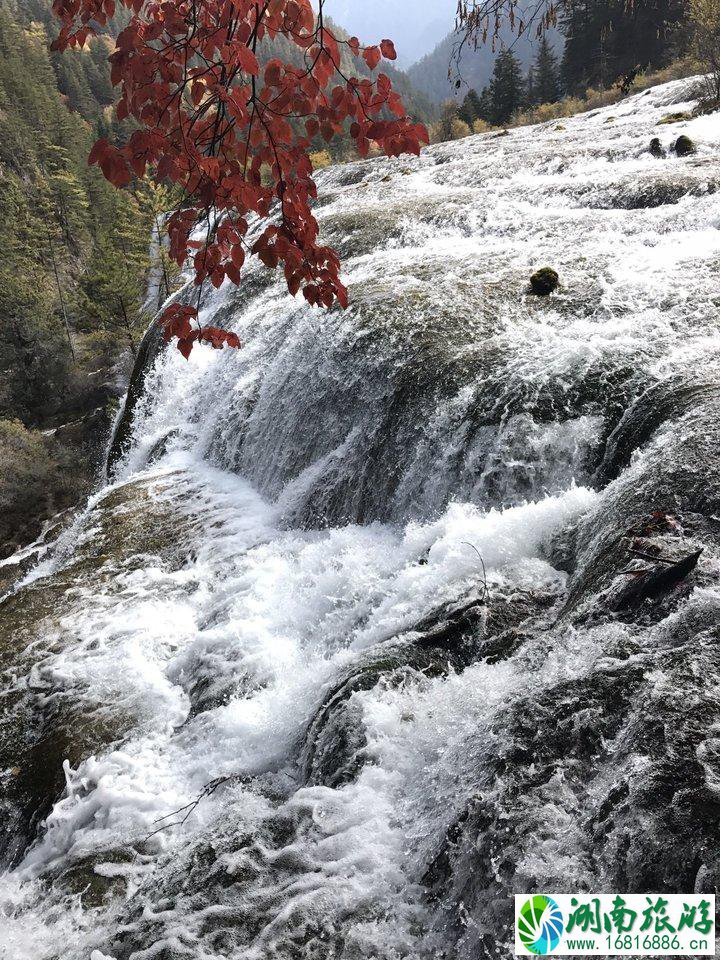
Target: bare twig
{"points": [[485, 584], [187, 811]]}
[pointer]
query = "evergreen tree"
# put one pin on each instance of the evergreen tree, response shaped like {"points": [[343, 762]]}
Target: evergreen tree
{"points": [[507, 88], [69, 200], [545, 74], [531, 98], [470, 109], [485, 108], [607, 39]]}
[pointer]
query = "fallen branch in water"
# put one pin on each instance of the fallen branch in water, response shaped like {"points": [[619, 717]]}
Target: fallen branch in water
{"points": [[208, 790]]}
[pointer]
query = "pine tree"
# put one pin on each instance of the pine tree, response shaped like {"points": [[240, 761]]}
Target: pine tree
{"points": [[507, 88], [34, 352], [608, 39], [485, 108], [546, 74], [531, 98], [578, 25], [470, 109], [70, 205]]}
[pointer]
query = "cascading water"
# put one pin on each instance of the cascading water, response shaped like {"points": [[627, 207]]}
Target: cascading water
{"points": [[280, 593]]}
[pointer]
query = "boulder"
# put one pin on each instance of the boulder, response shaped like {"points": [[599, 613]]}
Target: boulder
{"points": [[544, 281], [656, 148], [684, 146]]}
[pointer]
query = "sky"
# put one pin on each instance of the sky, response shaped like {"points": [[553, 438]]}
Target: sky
{"points": [[415, 26]]}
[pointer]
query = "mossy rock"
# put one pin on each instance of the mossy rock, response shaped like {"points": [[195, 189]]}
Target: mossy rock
{"points": [[675, 117], [544, 281], [64, 721], [684, 146]]}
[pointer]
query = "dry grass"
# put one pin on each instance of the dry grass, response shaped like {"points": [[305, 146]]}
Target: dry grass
{"points": [[594, 99], [569, 106]]}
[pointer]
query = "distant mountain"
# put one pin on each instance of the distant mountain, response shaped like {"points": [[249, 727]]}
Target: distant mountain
{"points": [[430, 74], [413, 25]]}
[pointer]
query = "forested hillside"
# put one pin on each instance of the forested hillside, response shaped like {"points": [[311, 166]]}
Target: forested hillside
{"points": [[430, 74], [72, 274], [597, 40]]}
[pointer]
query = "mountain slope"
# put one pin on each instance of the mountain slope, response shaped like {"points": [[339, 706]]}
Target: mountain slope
{"points": [[430, 74], [71, 278]]}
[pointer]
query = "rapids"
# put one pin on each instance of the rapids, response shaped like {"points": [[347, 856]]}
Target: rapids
{"points": [[358, 587]]}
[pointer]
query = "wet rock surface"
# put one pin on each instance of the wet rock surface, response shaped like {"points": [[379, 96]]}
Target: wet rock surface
{"points": [[51, 718]]}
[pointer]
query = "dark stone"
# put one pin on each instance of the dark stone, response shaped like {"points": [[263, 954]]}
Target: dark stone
{"points": [[656, 582], [666, 400], [684, 146], [656, 148], [151, 345], [544, 281]]}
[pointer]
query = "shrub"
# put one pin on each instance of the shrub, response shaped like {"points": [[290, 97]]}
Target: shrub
{"points": [[33, 484], [320, 159], [449, 126], [705, 18]]}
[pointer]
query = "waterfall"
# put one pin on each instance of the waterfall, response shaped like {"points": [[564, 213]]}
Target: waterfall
{"points": [[345, 652]]}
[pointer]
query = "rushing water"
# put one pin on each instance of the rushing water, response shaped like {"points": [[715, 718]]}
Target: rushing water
{"points": [[281, 587]]}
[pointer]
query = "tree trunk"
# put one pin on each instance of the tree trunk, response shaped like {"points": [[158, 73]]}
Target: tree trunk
{"points": [[62, 299]]}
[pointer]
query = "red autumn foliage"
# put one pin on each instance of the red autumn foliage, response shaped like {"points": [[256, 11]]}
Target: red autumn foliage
{"points": [[236, 136]]}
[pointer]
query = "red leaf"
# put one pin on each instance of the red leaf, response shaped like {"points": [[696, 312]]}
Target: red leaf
{"points": [[247, 60], [235, 147], [372, 56], [185, 347]]}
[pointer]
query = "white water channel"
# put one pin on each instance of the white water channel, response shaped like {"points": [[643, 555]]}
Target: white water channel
{"points": [[328, 487]]}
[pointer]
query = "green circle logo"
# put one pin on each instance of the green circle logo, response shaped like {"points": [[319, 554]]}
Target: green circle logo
{"points": [[540, 924]]}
